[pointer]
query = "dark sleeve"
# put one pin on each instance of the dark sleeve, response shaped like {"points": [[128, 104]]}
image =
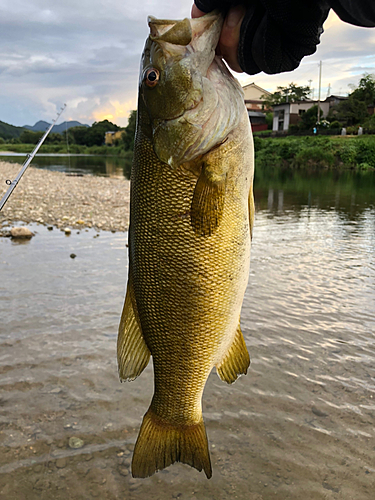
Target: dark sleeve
{"points": [[209, 5], [277, 34], [358, 12]]}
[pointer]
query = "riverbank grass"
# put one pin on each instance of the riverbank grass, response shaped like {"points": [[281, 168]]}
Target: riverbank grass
{"points": [[357, 152]]}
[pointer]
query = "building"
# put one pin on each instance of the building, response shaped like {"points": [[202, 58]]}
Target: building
{"points": [[254, 102], [254, 97], [335, 99], [289, 113], [110, 137]]}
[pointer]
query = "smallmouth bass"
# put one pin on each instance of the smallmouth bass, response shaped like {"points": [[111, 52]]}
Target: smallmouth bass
{"points": [[191, 218]]}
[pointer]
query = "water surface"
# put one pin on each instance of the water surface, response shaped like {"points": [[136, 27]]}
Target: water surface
{"points": [[299, 425], [108, 166]]}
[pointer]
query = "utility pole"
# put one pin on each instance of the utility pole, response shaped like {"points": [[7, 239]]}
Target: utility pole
{"points": [[320, 85]]}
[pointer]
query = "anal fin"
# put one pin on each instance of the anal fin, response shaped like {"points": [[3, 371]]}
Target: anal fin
{"points": [[133, 354], [236, 361]]}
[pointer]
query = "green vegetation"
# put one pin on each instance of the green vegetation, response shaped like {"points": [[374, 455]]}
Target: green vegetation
{"points": [[351, 112], [74, 149], [80, 140], [315, 152], [291, 93], [129, 132], [357, 152], [91, 136], [10, 131]]}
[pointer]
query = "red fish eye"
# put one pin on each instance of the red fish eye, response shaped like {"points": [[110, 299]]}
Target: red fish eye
{"points": [[152, 77]]}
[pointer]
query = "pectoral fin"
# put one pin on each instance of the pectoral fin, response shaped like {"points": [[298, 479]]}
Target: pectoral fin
{"points": [[236, 361], [208, 202], [132, 352]]}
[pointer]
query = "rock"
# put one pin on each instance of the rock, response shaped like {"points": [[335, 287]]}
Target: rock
{"points": [[67, 231], [123, 471], [56, 390], [41, 484], [21, 232], [50, 228], [73, 255], [318, 413], [75, 443], [61, 463]]}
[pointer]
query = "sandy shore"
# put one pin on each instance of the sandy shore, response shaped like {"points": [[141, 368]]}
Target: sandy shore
{"points": [[60, 200]]}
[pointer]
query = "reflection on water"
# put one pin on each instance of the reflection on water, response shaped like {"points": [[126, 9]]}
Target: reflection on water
{"points": [[110, 166], [299, 425]]}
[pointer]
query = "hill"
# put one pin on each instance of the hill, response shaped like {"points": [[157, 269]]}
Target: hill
{"points": [[10, 131], [41, 126]]}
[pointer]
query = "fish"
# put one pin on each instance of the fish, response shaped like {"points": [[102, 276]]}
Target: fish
{"points": [[191, 219]]}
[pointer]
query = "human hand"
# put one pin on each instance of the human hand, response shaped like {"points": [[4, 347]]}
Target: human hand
{"points": [[270, 36], [230, 34]]}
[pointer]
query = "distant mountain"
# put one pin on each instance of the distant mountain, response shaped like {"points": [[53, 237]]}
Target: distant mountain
{"points": [[10, 131], [41, 126]]}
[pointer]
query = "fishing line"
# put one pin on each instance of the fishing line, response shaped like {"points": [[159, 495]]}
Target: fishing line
{"points": [[67, 144]]}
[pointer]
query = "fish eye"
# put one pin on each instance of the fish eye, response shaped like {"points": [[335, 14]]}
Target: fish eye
{"points": [[152, 77]]}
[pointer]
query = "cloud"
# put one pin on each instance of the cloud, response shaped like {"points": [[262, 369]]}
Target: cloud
{"points": [[84, 53], [87, 54], [346, 53]]}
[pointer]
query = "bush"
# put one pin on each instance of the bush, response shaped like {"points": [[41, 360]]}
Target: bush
{"points": [[336, 125], [314, 156], [365, 152], [258, 144], [348, 153], [352, 130]]}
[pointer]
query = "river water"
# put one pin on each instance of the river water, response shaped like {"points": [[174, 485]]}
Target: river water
{"points": [[108, 166], [300, 425]]}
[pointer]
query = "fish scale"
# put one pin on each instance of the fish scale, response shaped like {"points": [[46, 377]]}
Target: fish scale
{"points": [[189, 250]]}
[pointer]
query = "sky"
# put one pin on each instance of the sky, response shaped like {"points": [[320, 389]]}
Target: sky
{"points": [[86, 53]]}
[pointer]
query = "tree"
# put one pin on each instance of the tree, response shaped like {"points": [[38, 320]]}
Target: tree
{"points": [[292, 93], [365, 91], [30, 137], [308, 118], [94, 135], [129, 132], [349, 112]]}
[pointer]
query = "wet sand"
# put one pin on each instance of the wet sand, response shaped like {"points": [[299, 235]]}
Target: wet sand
{"points": [[61, 200], [300, 425]]}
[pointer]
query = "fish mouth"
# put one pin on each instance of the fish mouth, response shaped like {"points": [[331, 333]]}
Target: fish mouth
{"points": [[203, 31]]}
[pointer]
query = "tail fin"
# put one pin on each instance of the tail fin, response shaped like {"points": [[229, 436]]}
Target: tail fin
{"points": [[160, 444]]}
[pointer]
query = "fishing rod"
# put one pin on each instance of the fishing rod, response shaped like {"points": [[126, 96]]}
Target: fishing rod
{"points": [[12, 184]]}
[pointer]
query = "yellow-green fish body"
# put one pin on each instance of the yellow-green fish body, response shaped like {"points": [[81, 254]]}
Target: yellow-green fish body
{"points": [[189, 239]]}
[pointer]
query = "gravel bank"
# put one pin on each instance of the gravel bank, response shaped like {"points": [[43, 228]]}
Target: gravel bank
{"points": [[60, 200]]}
